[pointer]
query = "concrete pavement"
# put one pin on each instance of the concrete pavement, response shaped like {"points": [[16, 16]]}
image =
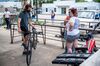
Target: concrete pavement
{"points": [[11, 54]]}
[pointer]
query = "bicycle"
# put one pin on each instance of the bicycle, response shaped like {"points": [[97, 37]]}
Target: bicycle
{"points": [[32, 43]]}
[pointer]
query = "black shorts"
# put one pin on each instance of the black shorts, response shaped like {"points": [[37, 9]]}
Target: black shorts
{"points": [[24, 31]]}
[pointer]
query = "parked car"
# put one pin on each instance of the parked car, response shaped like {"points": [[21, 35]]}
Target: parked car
{"points": [[89, 18]]}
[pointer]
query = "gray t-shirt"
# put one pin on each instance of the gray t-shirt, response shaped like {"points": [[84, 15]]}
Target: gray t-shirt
{"points": [[25, 16]]}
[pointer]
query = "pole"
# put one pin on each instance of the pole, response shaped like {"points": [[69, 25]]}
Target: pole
{"points": [[36, 11]]}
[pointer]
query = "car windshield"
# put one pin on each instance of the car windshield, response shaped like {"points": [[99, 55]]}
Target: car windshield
{"points": [[86, 14]]}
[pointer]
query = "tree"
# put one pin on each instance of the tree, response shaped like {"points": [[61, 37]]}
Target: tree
{"points": [[80, 0], [96, 1], [45, 1]]}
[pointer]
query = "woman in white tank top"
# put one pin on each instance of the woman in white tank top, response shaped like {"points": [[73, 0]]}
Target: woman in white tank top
{"points": [[72, 30]]}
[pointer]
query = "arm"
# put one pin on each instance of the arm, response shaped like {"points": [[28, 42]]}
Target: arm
{"points": [[31, 23], [19, 20], [66, 20], [9, 13], [71, 24], [4, 15]]}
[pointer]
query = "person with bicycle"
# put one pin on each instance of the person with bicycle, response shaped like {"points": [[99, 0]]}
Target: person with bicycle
{"points": [[23, 21], [73, 32]]}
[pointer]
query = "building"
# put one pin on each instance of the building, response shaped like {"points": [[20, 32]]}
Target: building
{"points": [[10, 3], [62, 6]]}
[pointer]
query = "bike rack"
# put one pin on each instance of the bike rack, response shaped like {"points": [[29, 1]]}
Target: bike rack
{"points": [[44, 33]]}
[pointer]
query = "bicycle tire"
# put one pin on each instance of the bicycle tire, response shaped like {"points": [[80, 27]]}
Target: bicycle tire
{"points": [[29, 53]]}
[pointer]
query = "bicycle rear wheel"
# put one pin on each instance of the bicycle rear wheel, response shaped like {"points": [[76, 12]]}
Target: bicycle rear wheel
{"points": [[29, 53]]}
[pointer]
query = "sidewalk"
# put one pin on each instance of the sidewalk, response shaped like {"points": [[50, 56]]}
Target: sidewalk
{"points": [[11, 54]]}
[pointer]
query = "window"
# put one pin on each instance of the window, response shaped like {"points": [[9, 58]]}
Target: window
{"points": [[54, 9], [46, 9], [63, 10]]}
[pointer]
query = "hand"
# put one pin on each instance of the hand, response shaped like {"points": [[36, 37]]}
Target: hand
{"points": [[33, 26], [64, 26], [19, 30]]}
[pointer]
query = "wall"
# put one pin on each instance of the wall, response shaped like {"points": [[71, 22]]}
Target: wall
{"points": [[49, 6], [69, 4]]}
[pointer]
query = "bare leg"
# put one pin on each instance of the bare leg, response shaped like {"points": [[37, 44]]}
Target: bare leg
{"points": [[75, 43], [25, 42], [69, 47]]}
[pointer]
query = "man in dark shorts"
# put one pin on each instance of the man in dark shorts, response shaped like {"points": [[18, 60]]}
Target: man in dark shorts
{"points": [[23, 21]]}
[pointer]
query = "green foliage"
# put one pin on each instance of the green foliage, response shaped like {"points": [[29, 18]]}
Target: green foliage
{"points": [[40, 22], [85, 1], [80, 0], [50, 1], [96, 1], [4, 22], [44, 1]]}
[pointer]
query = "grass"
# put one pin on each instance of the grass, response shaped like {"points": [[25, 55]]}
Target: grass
{"points": [[40, 22]]}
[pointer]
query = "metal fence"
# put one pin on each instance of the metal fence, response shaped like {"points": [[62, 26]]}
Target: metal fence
{"points": [[47, 33]]}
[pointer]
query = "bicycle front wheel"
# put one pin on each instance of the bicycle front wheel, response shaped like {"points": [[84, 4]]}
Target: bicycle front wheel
{"points": [[29, 53]]}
